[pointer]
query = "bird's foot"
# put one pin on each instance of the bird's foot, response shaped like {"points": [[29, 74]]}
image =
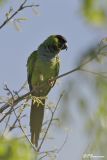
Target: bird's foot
{"points": [[38, 100]]}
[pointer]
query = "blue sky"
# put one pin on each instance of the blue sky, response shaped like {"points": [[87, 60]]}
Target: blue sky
{"points": [[55, 17]]}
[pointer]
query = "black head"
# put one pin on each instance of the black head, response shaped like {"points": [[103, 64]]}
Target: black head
{"points": [[53, 45], [62, 42]]}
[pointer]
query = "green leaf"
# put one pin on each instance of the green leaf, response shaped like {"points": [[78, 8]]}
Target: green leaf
{"points": [[15, 149], [94, 12]]}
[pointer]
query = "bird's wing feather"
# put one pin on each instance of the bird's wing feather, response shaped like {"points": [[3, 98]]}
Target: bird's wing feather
{"points": [[30, 65], [57, 68]]}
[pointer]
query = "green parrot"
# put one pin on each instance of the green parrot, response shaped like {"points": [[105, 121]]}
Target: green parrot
{"points": [[42, 67]]}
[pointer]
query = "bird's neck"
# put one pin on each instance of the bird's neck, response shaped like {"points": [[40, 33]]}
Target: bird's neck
{"points": [[46, 54]]}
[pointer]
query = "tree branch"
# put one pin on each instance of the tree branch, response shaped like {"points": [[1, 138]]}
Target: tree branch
{"points": [[21, 7], [16, 101]]}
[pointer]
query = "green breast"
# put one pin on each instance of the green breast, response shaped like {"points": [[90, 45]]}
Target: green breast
{"points": [[43, 71]]}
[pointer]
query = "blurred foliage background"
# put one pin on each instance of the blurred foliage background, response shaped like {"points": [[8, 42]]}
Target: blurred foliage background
{"points": [[3, 2], [11, 149], [87, 91], [95, 12]]}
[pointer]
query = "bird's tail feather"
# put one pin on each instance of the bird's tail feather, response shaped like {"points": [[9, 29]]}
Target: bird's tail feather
{"points": [[36, 119]]}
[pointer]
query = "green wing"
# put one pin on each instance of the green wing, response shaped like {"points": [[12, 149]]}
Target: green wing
{"points": [[30, 66], [57, 68]]}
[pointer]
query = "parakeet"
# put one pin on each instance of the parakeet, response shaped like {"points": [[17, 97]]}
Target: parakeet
{"points": [[42, 67]]}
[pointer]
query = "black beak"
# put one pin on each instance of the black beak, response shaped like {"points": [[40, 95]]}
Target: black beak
{"points": [[65, 46]]}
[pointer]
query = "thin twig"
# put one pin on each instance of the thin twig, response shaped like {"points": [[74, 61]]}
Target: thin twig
{"points": [[49, 151], [55, 150], [9, 91], [7, 113], [15, 102], [12, 97], [8, 119], [22, 87], [30, 6], [94, 73], [42, 157], [24, 132], [49, 124], [13, 125], [66, 138], [65, 74], [54, 119], [21, 7]]}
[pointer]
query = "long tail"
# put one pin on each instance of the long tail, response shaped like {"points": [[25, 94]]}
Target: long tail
{"points": [[36, 119]]}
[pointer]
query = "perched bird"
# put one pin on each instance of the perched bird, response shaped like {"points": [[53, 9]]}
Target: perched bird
{"points": [[42, 67]]}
